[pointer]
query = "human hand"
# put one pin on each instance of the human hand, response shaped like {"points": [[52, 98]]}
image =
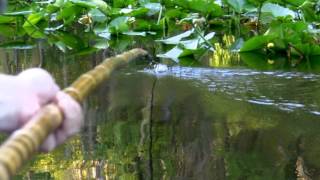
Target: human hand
{"points": [[73, 121], [22, 96]]}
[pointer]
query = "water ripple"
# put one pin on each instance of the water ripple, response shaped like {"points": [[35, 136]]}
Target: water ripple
{"points": [[288, 91]]}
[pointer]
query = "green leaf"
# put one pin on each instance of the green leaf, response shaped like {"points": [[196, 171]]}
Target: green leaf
{"points": [[102, 6], [102, 30], [70, 40], [276, 10], [173, 54], [97, 15], [90, 4], [237, 5], [255, 43], [153, 8], [7, 19], [33, 25], [119, 24], [175, 13], [255, 60], [206, 7], [137, 12], [176, 39], [308, 10], [61, 46], [191, 44], [296, 2], [102, 44], [7, 31], [69, 13], [85, 51], [85, 4]]}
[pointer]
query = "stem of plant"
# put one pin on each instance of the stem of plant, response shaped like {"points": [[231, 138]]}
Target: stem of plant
{"points": [[201, 36], [259, 18]]}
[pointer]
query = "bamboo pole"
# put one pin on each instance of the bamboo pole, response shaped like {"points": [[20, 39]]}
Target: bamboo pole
{"points": [[25, 142]]}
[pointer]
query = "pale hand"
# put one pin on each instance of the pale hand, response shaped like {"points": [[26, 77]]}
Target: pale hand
{"points": [[23, 95]]}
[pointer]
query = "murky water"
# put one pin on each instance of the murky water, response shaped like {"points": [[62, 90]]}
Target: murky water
{"points": [[184, 123]]}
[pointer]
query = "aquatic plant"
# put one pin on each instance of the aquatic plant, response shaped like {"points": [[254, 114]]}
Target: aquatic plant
{"points": [[186, 27]]}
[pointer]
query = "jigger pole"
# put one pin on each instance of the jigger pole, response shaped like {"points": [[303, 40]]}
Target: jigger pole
{"points": [[25, 142]]}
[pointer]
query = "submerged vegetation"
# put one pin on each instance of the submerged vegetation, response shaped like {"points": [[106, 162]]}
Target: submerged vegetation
{"points": [[271, 28]]}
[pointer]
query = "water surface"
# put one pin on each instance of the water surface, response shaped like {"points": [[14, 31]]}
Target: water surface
{"points": [[178, 122]]}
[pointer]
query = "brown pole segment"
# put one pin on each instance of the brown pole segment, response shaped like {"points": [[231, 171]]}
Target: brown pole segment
{"points": [[23, 143]]}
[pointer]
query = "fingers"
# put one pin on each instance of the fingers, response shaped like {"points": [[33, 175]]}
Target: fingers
{"points": [[72, 123], [73, 117], [49, 144], [39, 89], [39, 82]]}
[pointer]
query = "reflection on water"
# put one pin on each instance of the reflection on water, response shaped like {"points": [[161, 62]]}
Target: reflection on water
{"points": [[286, 90], [187, 123]]}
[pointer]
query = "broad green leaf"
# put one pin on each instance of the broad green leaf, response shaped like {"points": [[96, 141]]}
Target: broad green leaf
{"points": [[7, 19], [309, 49], [255, 60], [176, 39], [153, 8], [33, 19], [102, 30], [236, 46], [209, 36], [90, 4], [255, 43], [70, 40], [7, 30], [97, 15], [33, 25], [101, 44], [277, 10], [173, 54], [119, 24], [206, 7], [85, 51], [61, 46], [102, 6], [175, 13], [69, 13], [189, 61], [86, 4], [145, 25], [308, 10], [237, 5], [59, 3], [191, 44], [138, 12], [295, 2], [51, 8]]}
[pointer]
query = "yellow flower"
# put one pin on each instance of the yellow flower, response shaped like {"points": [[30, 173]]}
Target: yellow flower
{"points": [[85, 19], [270, 61], [270, 45]]}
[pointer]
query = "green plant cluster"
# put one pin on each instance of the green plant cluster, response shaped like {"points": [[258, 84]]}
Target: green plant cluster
{"points": [[85, 26]]}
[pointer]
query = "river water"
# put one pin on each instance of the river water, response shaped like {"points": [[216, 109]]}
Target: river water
{"points": [[161, 122]]}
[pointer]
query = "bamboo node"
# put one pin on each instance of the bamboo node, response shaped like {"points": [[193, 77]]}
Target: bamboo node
{"points": [[74, 93]]}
